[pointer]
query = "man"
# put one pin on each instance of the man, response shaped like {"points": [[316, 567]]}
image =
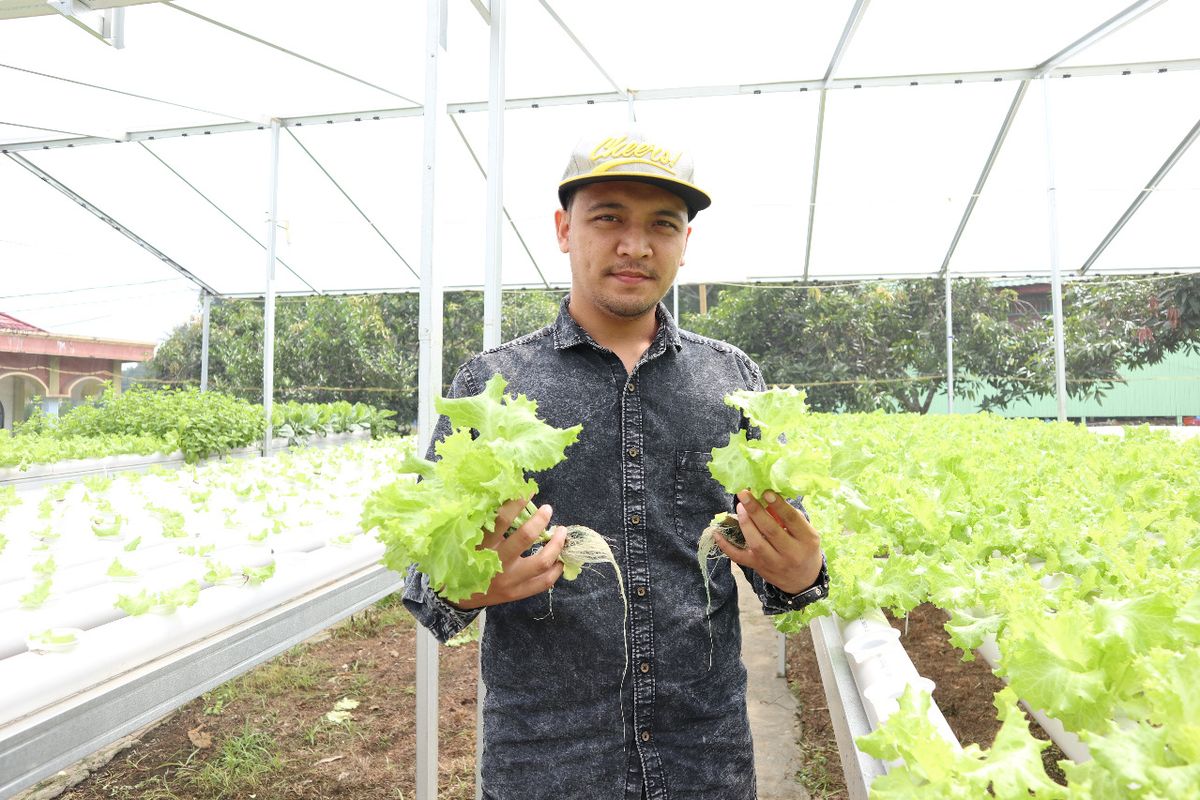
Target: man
{"points": [[591, 694]]}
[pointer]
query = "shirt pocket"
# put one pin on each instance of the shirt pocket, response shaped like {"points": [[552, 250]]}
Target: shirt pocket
{"points": [[698, 496]]}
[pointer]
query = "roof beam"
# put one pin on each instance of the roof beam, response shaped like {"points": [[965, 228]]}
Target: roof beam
{"points": [[484, 11], [985, 172], [839, 52], [225, 127], [615, 97], [108, 220], [15, 9], [1143, 195], [1099, 32]]}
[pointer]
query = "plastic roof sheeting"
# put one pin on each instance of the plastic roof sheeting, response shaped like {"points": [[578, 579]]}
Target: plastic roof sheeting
{"points": [[896, 173]]}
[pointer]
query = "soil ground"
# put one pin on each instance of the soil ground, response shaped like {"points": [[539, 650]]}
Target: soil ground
{"points": [[268, 736], [963, 691]]}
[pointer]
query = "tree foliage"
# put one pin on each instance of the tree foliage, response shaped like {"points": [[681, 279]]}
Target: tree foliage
{"points": [[882, 345], [329, 348]]}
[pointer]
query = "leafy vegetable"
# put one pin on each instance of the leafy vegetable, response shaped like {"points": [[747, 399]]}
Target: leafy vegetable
{"points": [[783, 460], [107, 526], [166, 601], [216, 572], [256, 575], [934, 767], [54, 636], [439, 522], [118, 570], [36, 596]]}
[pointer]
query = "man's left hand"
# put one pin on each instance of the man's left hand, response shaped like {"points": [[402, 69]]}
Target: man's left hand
{"points": [[781, 545]]}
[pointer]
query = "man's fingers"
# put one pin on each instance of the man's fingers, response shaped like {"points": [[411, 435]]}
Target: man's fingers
{"points": [[524, 537], [790, 518], [507, 513]]}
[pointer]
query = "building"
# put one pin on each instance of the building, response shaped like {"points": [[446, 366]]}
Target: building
{"points": [[56, 370]]}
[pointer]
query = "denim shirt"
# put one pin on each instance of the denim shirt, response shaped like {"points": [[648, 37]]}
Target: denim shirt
{"points": [[595, 692]]}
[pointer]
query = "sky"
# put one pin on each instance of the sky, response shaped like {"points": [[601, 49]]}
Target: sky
{"points": [[898, 167]]}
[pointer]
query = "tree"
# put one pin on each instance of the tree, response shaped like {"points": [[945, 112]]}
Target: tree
{"points": [[355, 348], [882, 345]]}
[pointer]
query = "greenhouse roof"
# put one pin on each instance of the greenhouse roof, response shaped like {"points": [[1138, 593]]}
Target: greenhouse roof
{"points": [[839, 139]]}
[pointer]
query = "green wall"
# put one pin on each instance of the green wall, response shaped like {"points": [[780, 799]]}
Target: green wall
{"points": [[1168, 389]]}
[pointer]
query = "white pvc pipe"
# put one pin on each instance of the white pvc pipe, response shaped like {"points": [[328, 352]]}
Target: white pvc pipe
{"points": [[1071, 745], [269, 299], [125, 644], [882, 670]]}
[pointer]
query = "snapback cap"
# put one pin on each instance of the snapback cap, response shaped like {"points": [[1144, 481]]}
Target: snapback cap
{"points": [[631, 156]]}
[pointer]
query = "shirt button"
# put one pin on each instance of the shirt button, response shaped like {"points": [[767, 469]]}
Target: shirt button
{"points": [[635, 519], [633, 452], [631, 388], [641, 591], [645, 666], [645, 736]]}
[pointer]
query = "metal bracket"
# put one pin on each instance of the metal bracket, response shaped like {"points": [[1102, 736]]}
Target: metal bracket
{"points": [[107, 25]]}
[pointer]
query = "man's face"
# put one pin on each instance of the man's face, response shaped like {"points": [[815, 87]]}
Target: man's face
{"points": [[626, 242]]}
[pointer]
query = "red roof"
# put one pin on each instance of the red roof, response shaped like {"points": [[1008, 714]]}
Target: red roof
{"points": [[10, 323]]}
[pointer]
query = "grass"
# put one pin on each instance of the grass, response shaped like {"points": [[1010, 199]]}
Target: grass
{"points": [[242, 763], [293, 672], [373, 620]]}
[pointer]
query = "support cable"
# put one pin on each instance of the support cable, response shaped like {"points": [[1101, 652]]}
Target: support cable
{"points": [[222, 212], [108, 220], [134, 95], [57, 292], [350, 200], [1102, 30], [285, 51], [512, 224], [40, 128]]}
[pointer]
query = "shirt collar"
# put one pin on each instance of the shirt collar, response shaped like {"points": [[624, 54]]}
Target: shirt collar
{"points": [[569, 333]]}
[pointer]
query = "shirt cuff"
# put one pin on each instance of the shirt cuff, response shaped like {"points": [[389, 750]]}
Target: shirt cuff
{"points": [[441, 618], [776, 601]]}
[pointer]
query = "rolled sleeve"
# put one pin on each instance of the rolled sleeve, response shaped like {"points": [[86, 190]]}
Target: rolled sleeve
{"points": [[443, 620]]}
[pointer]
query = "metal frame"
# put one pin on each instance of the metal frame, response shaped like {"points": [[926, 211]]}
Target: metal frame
{"points": [[269, 305], [429, 381], [1143, 195], [856, 16], [430, 322], [37, 746], [205, 325]]}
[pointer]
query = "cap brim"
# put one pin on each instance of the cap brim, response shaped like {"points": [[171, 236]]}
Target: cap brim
{"points": [[695, 199]]}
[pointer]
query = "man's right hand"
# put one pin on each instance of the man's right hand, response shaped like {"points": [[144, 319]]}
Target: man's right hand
{"points": [[520, 576]]}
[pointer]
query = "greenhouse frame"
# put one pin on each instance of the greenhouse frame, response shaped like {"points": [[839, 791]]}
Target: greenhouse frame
{"points": [[222, 149]]}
